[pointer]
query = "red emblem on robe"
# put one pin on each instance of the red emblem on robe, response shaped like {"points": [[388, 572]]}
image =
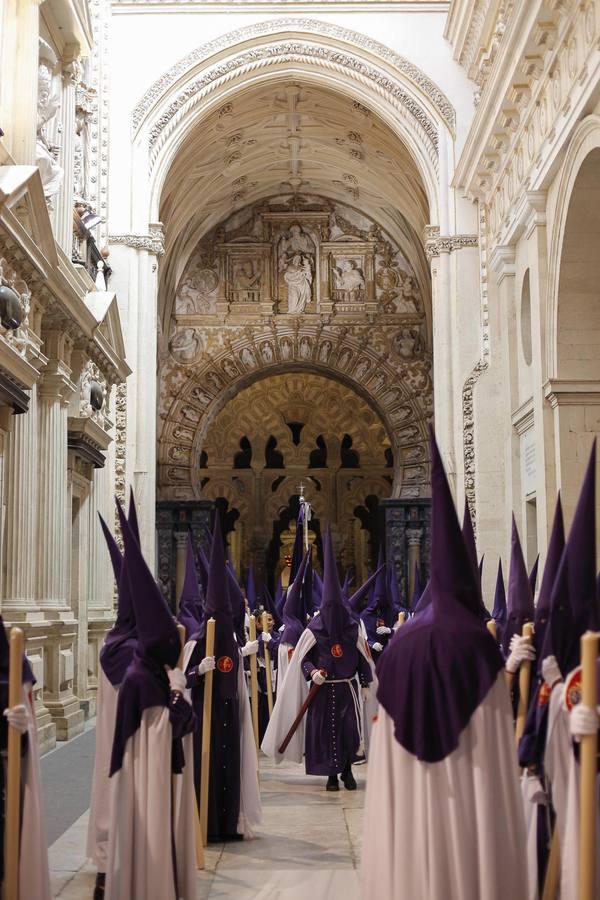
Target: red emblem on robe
{"points": [[544, 694], [337, 650], [290, 653], [225, 664], [573, 689]]}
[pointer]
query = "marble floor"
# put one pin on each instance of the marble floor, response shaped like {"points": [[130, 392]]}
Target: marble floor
{"points": [[306, 849]]}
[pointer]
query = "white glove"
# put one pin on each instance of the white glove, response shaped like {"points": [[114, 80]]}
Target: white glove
{"points": [[318, 677], [366, 693], [207, 665], [534, 788], [250, 648], [551, 671], [522, 649], [383, 630], [516, 637], [177, 680], [281, 628], [377, 646], [583, 720], [266, 637], [17, 717]]}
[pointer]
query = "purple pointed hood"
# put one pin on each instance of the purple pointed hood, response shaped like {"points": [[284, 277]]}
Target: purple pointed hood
{"points": [[468, 533], [203, 564], [356, 601], [190, 603], [317, 588], [499, 613], [417, 589], [393, 592], [294, 614], [121, 640], [380, 609], [439, 666], [158, 638], [573, 605], [251, 594], [533, 575], [334, 619], [556, 546], [238, 605], [218, 607], [520, 608], [132, 517], [424, 600]]}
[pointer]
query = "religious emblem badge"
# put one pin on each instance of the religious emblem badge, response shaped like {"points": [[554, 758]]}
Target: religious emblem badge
{"points": [[573, 689], [544, 694], [337, 650], [225, 664], [290, 653]]}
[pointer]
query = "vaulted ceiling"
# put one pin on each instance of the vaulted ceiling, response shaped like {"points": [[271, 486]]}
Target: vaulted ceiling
{"points": [[284, 137]]}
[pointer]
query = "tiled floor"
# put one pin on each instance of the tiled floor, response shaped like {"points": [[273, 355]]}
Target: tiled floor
{"points": [[307, 848]]}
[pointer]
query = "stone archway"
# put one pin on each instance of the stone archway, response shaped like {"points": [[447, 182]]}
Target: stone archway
{"points": [[573, 350], [288, 428]]}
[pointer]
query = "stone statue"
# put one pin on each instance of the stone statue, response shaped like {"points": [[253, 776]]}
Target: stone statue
{"points": [[186, 345], [349, 281], [46, 152], [246, 285], [406, 302], [296, 263]]}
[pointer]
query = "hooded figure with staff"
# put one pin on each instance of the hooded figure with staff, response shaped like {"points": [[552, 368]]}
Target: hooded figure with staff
{"points": [[332, 656]]}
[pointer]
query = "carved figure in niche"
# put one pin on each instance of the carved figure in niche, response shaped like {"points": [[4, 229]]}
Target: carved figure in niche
{"points": [[362, 368], [200, 396], [191, 414], [229, 368], [349, 281], [186, 345], [416, 474], [380, 382], [305, 348], [406, 303], [414, 454], [286, 349], [325, 350], [401, 415], [267, 352], [345, 357], [214, 379], [246, 282], [46, 152], [182, 434], [410, 491], [296, 259], [408, 434], [407, 342], [193, 296], [247, 358], [177, 454], [177, 474]]}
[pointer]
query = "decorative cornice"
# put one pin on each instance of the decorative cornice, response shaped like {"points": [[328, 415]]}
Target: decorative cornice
{"points": [[435, 245], [153, 243], [437, 98], [295, 53]]}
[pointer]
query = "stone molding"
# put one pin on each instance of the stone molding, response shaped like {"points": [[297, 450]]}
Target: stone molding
{"points": [[153, 243], [294, 52], [438, 244], [437, 98]]}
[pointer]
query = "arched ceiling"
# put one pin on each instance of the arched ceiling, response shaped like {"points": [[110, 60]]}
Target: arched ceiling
{"points": [[289, 136]]}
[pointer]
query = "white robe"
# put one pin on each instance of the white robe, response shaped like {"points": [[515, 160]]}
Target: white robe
{"points": [[99, 820], [34, 875], [291, 695], [140, 862], [250, 803], [451, 830]]}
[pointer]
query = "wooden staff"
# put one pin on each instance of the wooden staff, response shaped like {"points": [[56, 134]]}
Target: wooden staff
{"points": [[265, 628], [13, 787], [491, 627], [552, 879], [206, 723], [401, 618], [301, 713], [254, 682], [588, 756], [524, 682]]}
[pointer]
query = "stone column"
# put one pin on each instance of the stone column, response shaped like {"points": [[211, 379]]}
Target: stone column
{"points": [[413, 537], [181, 538], [54, 538], [64, 211], [20, 78], [101, 586]]}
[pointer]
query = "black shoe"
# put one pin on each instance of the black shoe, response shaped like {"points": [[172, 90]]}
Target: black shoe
{"points": [[99, 886], [332, 783], [348, 779]]}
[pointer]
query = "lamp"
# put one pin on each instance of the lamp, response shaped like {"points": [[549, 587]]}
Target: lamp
{"points": [[10, 307]]}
